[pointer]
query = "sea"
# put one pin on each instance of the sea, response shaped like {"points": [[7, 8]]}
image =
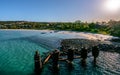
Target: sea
{"points": [[17, 49]]}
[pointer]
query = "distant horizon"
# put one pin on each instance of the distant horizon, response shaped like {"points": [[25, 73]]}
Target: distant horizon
{"points": [[62, 21]]}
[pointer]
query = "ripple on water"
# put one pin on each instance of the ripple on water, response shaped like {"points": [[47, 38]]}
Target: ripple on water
{"points": [[16, 57], [107, 64]]}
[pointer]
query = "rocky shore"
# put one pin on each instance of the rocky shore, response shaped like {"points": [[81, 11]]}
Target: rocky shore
{"points": [[79, 43]]}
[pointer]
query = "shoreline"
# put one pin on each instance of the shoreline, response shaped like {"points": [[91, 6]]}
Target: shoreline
{"points": [[77, 44], [88, 35], [27, 29], [53, 39]]}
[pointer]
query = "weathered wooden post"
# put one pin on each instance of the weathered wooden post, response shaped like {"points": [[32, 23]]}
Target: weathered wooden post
{"points": [[95, 53], [38, 63], [70, 55], [83, 56], [62, 48], [55, 59]]}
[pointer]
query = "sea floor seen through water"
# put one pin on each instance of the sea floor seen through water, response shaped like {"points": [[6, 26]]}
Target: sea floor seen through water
{"points": [[17, 50]]}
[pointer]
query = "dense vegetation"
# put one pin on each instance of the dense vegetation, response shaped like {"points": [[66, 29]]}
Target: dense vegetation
{"points": [[111, 27]]}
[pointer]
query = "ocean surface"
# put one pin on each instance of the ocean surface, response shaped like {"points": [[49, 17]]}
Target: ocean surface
{"points": [[17, 48]]}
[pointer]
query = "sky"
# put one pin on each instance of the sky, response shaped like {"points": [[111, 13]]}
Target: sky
{"points": [[55, 10]]}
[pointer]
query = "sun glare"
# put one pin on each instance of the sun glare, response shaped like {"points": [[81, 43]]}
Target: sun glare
{"points": [[112, 5]]}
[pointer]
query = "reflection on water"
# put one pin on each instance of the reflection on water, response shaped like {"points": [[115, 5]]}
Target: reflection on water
{"points": [[16, 58]]}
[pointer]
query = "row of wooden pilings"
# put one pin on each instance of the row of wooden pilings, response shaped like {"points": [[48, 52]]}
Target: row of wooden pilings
{"points": [[70, 56]]}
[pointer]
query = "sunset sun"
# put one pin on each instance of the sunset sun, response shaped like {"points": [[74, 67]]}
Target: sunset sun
{"points": [[112, 5]]}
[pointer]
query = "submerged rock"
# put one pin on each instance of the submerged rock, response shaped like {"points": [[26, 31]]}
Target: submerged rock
{"points": [[79, 43]]}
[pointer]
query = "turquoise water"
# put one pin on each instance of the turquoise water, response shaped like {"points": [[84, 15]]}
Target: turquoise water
{"points": [[16, 54], [17, 49]]}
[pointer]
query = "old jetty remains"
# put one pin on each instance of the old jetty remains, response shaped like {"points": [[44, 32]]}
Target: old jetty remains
{"points": [[38, 63], [70, 49]]}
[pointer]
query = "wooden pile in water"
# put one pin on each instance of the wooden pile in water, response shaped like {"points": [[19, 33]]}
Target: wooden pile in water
{"points": [[73, 49]]}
